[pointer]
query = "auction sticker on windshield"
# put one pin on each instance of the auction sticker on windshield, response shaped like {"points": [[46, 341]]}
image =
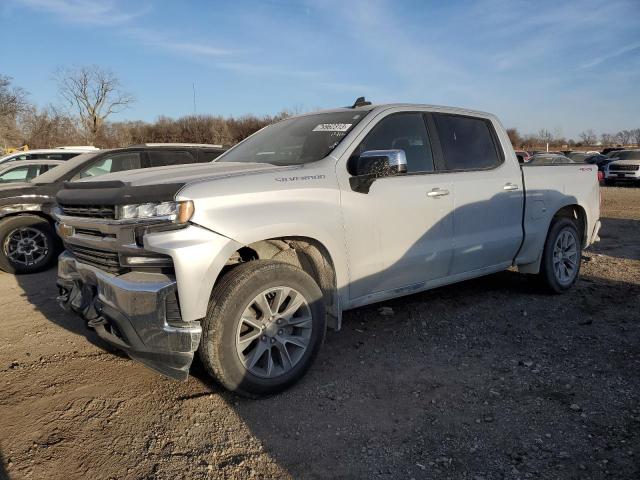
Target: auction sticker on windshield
{"points": [[332, 127]]}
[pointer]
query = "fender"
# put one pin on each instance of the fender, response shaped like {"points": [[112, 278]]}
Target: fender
{"points": [[262, 206]]}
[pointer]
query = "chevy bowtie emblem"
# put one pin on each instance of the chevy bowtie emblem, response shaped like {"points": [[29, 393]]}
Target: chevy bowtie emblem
{"points": [[65, 230]]}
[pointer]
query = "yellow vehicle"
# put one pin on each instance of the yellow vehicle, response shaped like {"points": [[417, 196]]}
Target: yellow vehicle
{"points": [[7, 151]]}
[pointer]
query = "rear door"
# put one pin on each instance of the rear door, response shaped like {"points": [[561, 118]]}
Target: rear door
{"points": [[488, 193]]}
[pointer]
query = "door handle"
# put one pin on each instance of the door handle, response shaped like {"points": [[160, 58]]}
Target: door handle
{"points": [[511, 187], [437, 192]]}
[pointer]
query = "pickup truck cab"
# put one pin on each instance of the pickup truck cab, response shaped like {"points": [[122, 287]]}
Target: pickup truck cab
{"points": [[247, 260]]}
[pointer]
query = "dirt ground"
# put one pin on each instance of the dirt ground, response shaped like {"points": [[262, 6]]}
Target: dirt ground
{"points": [[488, 379]]}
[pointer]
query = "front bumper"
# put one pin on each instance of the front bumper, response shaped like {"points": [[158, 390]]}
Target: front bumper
{"points": [[130, 312], [621, 176]]}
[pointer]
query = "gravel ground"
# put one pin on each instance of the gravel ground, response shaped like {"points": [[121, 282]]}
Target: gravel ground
{"points": [[487, 379]]}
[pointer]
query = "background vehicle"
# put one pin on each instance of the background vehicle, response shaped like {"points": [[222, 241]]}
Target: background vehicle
{"points": [[248, 260], [27, 239], [600, 160], [26, 170], [549, 159], [613, 153], [60, 153], [523, 156], [609, 150], [578, 157], [623, 168]]}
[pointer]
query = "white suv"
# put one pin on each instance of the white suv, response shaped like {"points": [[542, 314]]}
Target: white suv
{"points": [[58, 153], [625, 167]]}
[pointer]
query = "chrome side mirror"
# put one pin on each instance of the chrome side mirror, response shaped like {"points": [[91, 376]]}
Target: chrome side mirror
{"points": [[379, 163], [373, 164]]}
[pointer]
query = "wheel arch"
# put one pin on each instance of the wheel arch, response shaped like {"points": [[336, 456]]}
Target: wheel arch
{"points": [[35, 213], [577, 214], [573, 211], [306, 253]]}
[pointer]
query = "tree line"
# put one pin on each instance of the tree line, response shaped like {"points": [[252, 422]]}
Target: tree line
{"points": [[588, 138], [91, 95]]}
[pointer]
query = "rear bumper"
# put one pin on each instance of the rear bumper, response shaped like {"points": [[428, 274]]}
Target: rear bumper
{"points": [[129, 312]]}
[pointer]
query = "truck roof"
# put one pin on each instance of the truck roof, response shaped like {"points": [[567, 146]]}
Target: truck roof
{"points": [[387, 106]]}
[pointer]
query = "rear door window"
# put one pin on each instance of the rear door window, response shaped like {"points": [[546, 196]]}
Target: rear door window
{"points": [[467, 143], [162, 158], [18, 174]]}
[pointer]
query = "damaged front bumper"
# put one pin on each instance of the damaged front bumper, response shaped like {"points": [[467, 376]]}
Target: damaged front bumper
{"points": [[132, 312]]}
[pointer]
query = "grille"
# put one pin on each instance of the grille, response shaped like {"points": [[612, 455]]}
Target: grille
{"points": [[623, 167], [104, 260], [93, 233], [92, 211]]}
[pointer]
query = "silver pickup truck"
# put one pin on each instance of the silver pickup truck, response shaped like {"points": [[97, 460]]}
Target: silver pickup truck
{"points": [[249, 259]]}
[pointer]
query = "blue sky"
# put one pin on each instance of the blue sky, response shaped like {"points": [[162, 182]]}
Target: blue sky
{"points": [[563, 65]]}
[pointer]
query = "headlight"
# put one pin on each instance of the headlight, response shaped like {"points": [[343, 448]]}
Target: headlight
{"points": [[179, 212]]}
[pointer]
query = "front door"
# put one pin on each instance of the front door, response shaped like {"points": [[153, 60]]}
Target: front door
{"points": [[398, 234]]}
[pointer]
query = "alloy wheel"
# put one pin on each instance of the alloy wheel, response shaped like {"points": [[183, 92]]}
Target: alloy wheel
{"points": [[565, 257], [274, 332], [26, 246]]}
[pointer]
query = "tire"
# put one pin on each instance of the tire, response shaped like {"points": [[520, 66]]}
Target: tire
{"points": [[233, 309], [552, 278], [35, 255]]}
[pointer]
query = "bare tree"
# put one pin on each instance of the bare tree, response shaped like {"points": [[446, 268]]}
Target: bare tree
{"points": [[95, 93], [607, 139], [48, 127], [515, 137], [13, 102], [636, 136], [624, 137], [545, 136], [588, 137]]}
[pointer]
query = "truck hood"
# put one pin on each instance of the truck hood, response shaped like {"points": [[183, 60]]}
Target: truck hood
{"points": [[183, 173], [151, 184]]}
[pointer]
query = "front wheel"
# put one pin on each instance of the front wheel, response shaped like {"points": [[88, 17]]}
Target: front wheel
{"points": [[561, 256], [28, 244], [264, 327]]}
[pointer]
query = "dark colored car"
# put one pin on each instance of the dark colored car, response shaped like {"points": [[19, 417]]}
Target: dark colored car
{"points": [[607, 151], [600, 160], [28, 242], [523, 156]]}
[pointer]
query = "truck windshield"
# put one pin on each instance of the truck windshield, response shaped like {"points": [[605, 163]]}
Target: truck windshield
{"points": [[296, 141], [628, 155]]}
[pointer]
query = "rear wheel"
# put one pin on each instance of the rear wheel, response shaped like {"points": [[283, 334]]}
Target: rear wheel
{"points": [[561, 256], [28, 244], [264, 327]]}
